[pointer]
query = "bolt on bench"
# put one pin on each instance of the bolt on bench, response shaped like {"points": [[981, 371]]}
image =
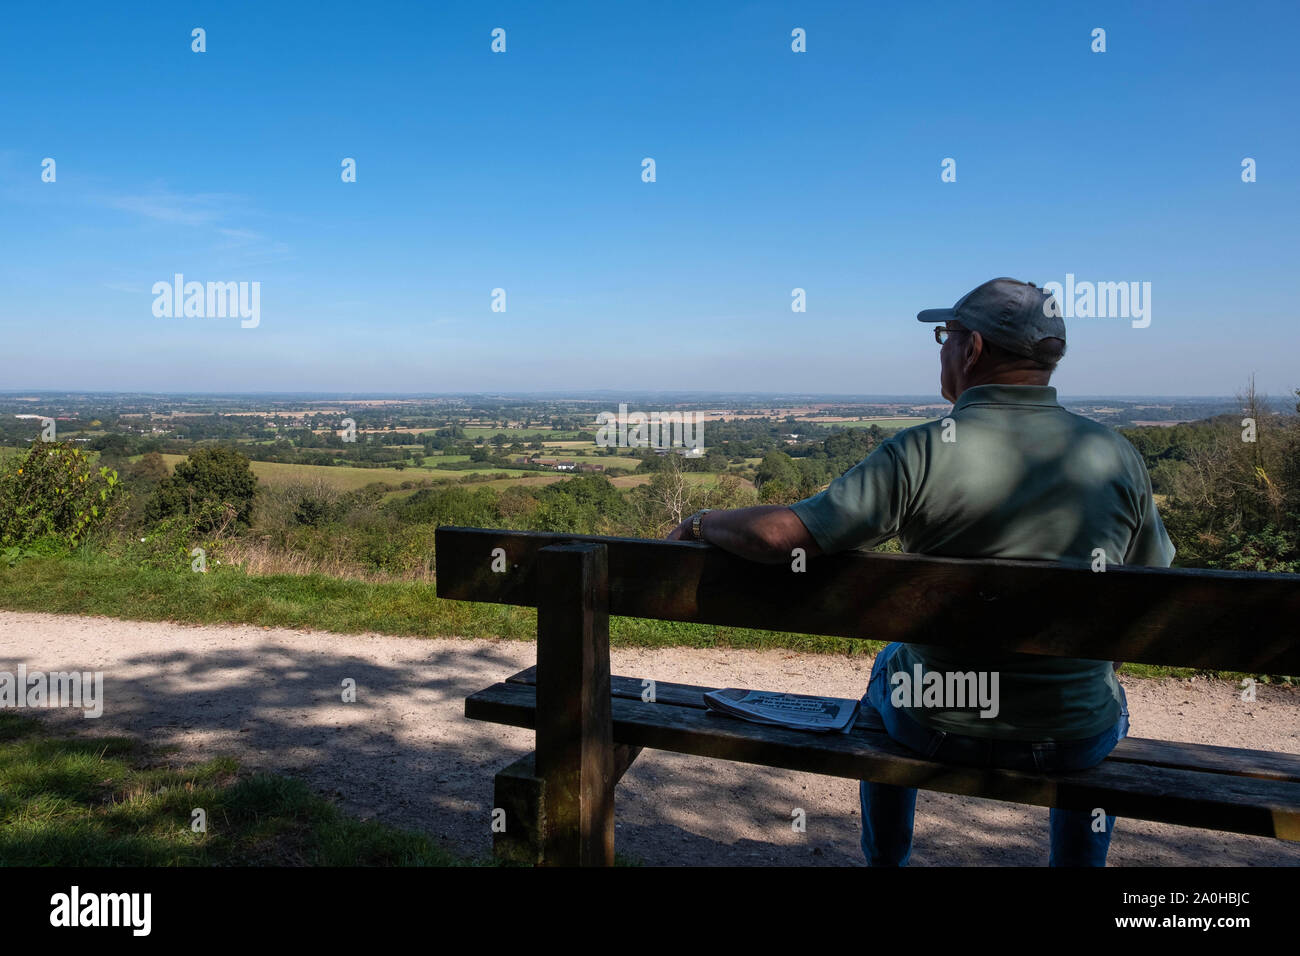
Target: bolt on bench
{"points": [[559, 800]]}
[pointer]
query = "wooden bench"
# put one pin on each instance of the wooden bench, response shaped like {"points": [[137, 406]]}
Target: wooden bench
{"points": [[590, 726]]}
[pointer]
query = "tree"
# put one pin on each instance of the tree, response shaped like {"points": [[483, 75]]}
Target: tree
{"points": [[1230, 487], [215, 485], [517, 506], [113, 447], [661, 505], [1263, 456], [777, 466], [149, 470]]}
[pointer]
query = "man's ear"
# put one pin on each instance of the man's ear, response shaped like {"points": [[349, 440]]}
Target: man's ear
{"points": [[974, 349]]}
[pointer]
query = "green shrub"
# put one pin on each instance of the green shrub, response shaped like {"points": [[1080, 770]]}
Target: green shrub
{"points": [[214, 485], [53, 493], [170, 544]]}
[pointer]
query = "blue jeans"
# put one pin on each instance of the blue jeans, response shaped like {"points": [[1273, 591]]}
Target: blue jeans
{"points": [[888, 811]]}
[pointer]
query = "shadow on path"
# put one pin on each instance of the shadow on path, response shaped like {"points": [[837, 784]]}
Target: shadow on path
{"points": [[404, 753]]}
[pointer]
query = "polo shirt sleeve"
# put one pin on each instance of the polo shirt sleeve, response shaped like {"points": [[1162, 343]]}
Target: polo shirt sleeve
{"points": [[1150, 546], [862, 507]]}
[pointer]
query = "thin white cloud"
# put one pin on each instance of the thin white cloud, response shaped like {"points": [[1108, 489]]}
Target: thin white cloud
{"points": [[127, 287], [252, 245], [212, 211], [194, 209]]}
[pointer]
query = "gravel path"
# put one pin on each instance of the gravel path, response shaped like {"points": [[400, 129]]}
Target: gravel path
{"points": [[405, 754]]}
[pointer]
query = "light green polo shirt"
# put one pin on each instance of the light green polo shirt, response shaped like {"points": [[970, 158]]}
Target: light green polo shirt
{"points": [[1017, 477]]}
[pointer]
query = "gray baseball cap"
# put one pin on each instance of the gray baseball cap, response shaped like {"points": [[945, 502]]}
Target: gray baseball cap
{"points": [[1015, 315]]}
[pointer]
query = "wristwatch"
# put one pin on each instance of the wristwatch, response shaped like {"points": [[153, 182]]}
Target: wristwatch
{"points": [[696, 531]]}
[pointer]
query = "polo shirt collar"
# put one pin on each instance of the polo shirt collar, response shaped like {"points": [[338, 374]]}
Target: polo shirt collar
{"points": [[1008, 395]]}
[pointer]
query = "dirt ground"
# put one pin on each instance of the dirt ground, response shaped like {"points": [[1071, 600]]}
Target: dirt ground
{"points": [[405, 754]]}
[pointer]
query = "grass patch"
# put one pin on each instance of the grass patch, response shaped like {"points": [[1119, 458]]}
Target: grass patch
{"points": [[98, 586], [109, 802]]}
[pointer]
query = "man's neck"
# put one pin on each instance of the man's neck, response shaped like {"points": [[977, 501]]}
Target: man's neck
{"points": [[1010, 377]]}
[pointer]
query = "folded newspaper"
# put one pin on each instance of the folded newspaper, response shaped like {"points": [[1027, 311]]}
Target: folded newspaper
{"points": [[796, 711]]}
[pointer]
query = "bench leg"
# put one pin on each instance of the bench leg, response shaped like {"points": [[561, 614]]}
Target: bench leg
{"points": [[522, 795], [575, 726]]}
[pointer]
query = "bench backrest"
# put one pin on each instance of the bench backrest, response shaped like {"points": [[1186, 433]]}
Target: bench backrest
{"points": [[1225, 620]]}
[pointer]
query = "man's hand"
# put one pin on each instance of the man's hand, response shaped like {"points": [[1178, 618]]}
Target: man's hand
{"points": [[766, 533]]}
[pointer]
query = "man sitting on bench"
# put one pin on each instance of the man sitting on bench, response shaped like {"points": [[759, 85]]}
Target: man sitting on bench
{"points": [[1008, 473]]}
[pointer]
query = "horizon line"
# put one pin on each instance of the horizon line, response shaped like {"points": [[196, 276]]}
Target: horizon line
{"points": [[557, 393]]}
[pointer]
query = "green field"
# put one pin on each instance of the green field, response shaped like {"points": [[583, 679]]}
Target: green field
{"points": [[618, 481], [274, 473], [888, 424], [15, 451], [537, 432], [627, 461], [345, 478], [434, 462], [532, 478], [427, 472]]}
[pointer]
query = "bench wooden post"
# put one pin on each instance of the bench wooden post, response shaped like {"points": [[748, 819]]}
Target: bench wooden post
{"points": [[575, 732]]}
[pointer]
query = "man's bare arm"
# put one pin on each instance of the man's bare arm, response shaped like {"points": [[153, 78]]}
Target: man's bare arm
{"points": [[766, 533]]}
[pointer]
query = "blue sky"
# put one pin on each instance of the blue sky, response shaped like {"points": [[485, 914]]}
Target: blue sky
{"points": [[522, 171]]}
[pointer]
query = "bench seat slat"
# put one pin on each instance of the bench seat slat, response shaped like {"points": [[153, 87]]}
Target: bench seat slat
{"points": [[1218, 801], [1178, 755]]}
